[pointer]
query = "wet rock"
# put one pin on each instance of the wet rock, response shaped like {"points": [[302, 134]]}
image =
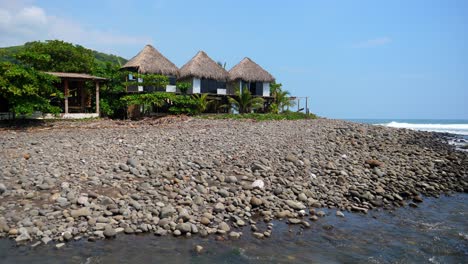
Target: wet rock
{"points": [[295, 205], [224, 226], [198, 249], [184, 227]]}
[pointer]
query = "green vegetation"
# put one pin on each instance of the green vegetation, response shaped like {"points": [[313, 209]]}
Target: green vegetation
{"points": [[8, 54], [183, 87], [261, 117], [202, 102], [57, 56], [281, 98], [28, 90], [244, 102], [175, 104]]}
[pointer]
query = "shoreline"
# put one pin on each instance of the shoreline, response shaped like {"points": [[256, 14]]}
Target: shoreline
{"points": [[355, 237], [185, 176]]}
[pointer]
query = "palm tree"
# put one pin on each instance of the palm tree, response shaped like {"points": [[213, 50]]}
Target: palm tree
{"points": [[281, 98], [244, 102], [202, 102]]}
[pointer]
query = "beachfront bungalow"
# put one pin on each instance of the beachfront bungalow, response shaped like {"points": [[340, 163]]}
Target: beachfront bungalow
{"points": [[204, 75], [249, 74], [150, 61]]}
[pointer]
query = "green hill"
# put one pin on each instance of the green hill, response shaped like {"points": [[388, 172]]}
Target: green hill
{"points": [[8, 54]]}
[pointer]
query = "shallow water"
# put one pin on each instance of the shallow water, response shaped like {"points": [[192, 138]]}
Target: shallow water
{"points": [[436, 232]]}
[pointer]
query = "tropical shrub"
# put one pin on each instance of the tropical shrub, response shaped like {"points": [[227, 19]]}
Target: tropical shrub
{"points": [[281, 98], [202, 102], [244, 102], [28, 90], [183, 87]]}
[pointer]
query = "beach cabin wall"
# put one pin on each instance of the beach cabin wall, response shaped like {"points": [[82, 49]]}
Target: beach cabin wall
{"points": [[202, 85], [255, 88], [132, 77]]}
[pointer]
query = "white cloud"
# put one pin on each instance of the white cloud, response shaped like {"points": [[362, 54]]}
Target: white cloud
{"points": [[22, 21], [374, 42]]}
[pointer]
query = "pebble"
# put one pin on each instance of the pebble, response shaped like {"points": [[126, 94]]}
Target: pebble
{"points": [[219, 179]]}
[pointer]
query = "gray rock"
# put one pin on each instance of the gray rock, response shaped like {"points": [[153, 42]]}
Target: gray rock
{"points": [[83, 200], [59, 245], [80, 212], [254, 201], [67, 236], [235, 235], [231, 179], [46, 240], [198, 249], [132, 163], [109, 231], [224, 226], [339, 213], [167, 211], [2, 188], [124, 167], [219, 207], [184, 227], [295, 205]]}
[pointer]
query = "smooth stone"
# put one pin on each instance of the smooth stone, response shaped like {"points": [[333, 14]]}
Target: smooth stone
{"points": [[80, 212]]}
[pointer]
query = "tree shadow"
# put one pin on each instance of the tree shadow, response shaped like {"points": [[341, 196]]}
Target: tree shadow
{"points": [[24, 124]]}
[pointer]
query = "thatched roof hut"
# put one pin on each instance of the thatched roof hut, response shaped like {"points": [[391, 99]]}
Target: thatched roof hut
{"points": [[249, 71], [150, 60], [202, 66]]}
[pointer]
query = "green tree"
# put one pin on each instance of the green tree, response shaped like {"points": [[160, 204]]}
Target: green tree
{"points": [[244, 102], [28, 90], [183, 87], [57, 55], [281, 98], [202, 102]]}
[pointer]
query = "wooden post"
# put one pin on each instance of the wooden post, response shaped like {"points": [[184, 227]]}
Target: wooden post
{"points": [[298, 104], [97, 97], [65, 92], [307, 105], [82, 94]]}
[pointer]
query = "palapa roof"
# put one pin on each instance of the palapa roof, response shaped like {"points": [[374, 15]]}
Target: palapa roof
{"points": [[76, 76], [150, 60], [202, 66], [249, 71]]}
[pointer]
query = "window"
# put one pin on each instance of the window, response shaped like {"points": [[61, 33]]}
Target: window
{"points": [[172, 80]]}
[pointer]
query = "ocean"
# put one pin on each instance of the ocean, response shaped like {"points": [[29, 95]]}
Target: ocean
{"points": [[452, 126]]}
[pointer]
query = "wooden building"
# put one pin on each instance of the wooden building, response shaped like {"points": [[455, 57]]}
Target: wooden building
{"points": [[204, 75], [77, 102], [249, 74], [150, 61]]}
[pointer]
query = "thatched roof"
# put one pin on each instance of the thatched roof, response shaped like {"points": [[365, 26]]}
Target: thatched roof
{"points": [[150, 60], [249, 71], [202, 66], [76, 76]]}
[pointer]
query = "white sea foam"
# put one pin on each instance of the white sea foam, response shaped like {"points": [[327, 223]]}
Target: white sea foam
{"points": [[460, 129]]}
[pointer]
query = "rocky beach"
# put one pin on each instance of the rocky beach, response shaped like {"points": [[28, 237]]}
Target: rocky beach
{"points": [[185, 177]]}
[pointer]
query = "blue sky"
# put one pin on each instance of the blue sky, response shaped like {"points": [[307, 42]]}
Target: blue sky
{"points": [[354, 59]]}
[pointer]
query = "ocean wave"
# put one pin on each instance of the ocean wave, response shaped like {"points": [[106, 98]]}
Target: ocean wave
{"points": [[461, 129]]}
